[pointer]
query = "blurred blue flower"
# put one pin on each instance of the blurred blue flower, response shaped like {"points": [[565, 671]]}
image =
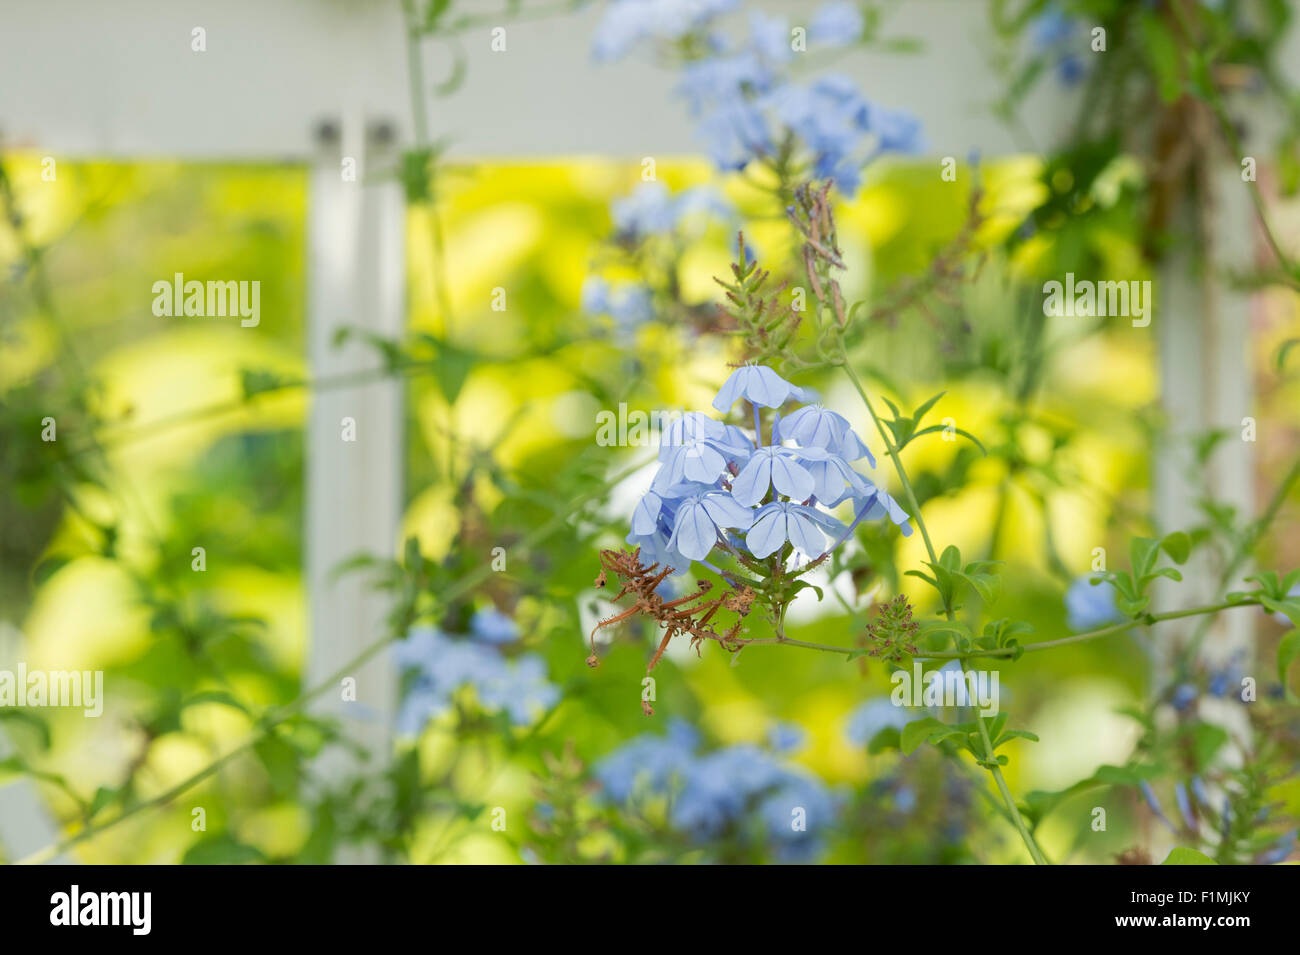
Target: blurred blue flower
{"points": [[786, 737], [1051, 28], [649, 761], [492, 626], [836, 24], [796, 814], [444, 664], [650, 209], [715, 791], [1089, 606], [871, 717], [1279, 850], [1153, 804], [628, 23]]}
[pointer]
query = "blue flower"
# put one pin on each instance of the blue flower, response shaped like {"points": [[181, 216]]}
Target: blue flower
{"points": [[520, 688], [871, 717], [818, 427], [769, 37], [652, 527], [833, 479], [1090, 606], [876, 503], [492, 626], [648, 210], [652, 210], [1051, 28], [772, 467], [782, 521], [1184, 805], [1153, 804], [701, 518], [1279, 851], [629, 305], [786, 737], [444, 664], [717, 787], [836, 24], [628, 23], [795, 814], [757, 384], [896, 131], [649, 761], [734, 131], [1184, 695]]}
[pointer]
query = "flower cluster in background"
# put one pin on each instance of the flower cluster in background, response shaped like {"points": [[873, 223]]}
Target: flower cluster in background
{"points": [[717, 481], [441, 664], [741, 790], [744, 100]]}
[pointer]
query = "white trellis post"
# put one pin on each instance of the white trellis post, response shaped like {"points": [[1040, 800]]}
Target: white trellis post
{"points": [[356, 264]]}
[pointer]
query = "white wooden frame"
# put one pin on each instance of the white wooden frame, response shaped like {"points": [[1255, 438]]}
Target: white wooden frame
{"points": [[123, 80]]}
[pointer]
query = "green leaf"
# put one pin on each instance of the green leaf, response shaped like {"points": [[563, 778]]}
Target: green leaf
{"points": [[221, 849], [1285, 350], [917, 732], [48, 567], [216, 696], [1287, 651], [1178, 546], [887, 738], [1182, 856], [1015, 734], [28, 719], [1142, 555], [1162, 51], [920, 412]]}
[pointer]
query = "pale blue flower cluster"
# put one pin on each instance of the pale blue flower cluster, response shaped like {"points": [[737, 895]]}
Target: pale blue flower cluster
{"points": [[443, 663], [717, 482], [651, 210], [629, 305], [715, 793], [741, 96], [1089, 606]]}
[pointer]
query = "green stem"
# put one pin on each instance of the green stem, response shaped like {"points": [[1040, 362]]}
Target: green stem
{"points": [[912, 501], [1026, 836], [1035, 852]]}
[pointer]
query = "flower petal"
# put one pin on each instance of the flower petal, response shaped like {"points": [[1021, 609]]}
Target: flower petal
{"points": [[751, 484], [790, 478], [767, 534], [694, 532], [726, 511], [804, 534]]}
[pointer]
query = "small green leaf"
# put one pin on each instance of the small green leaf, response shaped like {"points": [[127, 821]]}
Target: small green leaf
{"points": [[1183, 856], [221, 849], [1178, 546], [1287, 651], [917, 732]]}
